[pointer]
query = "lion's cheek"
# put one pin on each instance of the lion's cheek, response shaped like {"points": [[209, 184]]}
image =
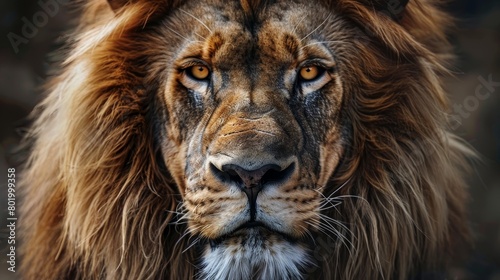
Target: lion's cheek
{"points": [[294, 214], [174, 157], [211, 216], [330, 155]]}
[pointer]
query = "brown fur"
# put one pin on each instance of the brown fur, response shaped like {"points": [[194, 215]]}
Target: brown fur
{"points": [[107, 173]]}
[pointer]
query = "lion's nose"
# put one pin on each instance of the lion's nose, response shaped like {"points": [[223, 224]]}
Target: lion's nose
{"points": [[248, 172], [254, 180]]}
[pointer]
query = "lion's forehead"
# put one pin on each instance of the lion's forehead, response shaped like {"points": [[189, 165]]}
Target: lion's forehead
{"points": [[230, 37]]}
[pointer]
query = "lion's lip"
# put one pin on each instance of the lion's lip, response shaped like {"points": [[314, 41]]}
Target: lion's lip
{"points": [[250, 225]]}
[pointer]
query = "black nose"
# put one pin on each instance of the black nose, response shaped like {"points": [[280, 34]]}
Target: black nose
{"points": [[251, 178], [253, 181]]}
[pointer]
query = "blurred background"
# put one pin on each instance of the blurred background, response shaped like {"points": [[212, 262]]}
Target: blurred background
{"points": [[24, 66]]}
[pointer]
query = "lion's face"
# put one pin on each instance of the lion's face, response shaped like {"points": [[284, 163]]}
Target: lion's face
{"points": [[254, 114], [246, 139]]}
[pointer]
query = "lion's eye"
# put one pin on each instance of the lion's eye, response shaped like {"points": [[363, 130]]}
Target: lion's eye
{"points": [[310, 73], [199, 72], [312, 77]]}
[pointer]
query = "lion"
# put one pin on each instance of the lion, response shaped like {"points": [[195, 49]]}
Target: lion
{"points": [[247, 139]]}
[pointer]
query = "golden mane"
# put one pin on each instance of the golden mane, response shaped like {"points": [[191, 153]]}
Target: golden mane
{"points": [[97, 189]]}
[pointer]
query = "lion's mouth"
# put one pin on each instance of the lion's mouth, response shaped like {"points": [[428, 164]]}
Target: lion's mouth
{"points": [[252, 229]]}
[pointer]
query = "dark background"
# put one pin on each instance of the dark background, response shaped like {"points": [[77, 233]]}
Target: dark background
{"points": [[477, 46]]}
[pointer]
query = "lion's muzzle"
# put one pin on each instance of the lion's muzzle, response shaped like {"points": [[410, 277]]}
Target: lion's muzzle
{"points": [[251, 151], [252, 181]]}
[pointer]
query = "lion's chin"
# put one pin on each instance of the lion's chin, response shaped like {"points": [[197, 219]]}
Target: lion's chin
{"points": [[254, 253]]}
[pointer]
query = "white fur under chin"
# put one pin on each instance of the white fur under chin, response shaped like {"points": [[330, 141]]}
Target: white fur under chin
{"points": [[256, 258]]}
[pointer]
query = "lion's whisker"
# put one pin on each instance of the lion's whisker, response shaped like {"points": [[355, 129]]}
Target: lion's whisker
{"points": [[186, 233], [342, 238], [308, 233], [329, 200], [321, 42], [335, 191], [330, 219], [178, 34], [197, 19], [191, 245], [297, 25], [350, 196], [332, 205], [315, 29]]}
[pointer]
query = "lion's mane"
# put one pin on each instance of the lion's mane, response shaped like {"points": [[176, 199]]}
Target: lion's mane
{"points": [[99, 201]]}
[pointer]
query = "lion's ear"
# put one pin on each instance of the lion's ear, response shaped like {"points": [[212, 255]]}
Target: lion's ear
{"points": [[392, 8]]}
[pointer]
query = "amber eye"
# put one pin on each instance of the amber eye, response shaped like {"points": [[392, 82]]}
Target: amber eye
{"points": [[310, 73], [199, 72]]}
